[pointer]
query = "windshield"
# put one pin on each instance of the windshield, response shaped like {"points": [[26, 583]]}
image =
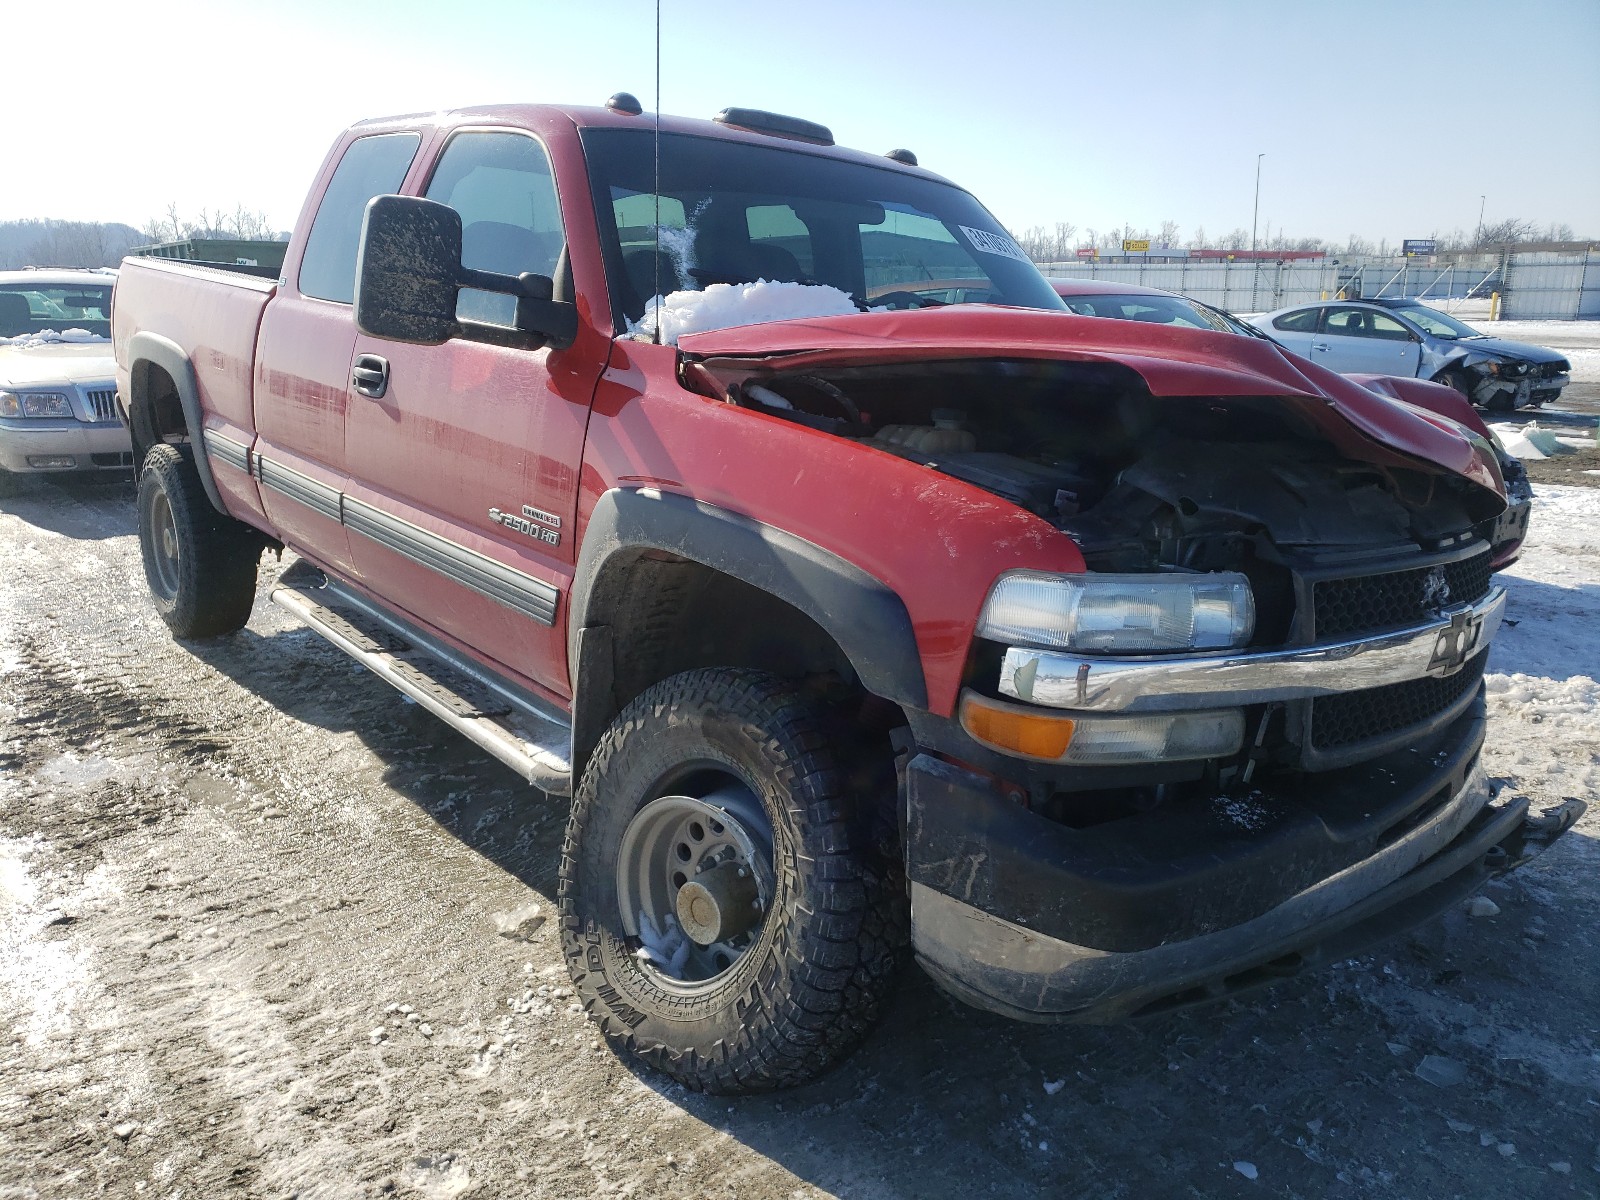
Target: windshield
{"points": [[1435, 322], [1158, 310], [27, 309], [734, 213]]}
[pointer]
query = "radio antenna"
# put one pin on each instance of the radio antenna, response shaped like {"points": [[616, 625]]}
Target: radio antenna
{"points": [[656, 297]]}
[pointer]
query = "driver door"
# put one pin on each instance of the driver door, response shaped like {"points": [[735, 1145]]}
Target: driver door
{"points": [[464, 470]]}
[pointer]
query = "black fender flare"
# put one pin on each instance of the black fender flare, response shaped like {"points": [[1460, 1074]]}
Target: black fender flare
{"points": [[162, 352], [863, 615]]}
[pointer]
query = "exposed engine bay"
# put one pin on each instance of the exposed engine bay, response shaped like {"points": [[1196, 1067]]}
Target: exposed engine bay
{"points": [[1140, 483]]}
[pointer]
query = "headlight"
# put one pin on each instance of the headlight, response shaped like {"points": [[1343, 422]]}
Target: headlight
{"points": [[1120, 614], [34, 404]]}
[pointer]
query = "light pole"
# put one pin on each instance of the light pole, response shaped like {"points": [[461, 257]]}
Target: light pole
{"points": [[1257, 211], [1477, 238]]}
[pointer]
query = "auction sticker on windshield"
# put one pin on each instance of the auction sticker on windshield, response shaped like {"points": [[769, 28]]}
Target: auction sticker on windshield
{"points": [[993, 243]]}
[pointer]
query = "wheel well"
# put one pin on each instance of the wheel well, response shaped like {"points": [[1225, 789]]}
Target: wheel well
{"points": [[660, 615], [155, 414]]}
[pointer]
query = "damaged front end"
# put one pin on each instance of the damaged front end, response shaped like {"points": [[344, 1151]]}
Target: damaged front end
{"points": [[1250, 729], [1497, 381]]}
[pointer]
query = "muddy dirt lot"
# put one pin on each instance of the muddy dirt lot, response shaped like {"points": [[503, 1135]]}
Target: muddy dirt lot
{"points": [[265, 931]]}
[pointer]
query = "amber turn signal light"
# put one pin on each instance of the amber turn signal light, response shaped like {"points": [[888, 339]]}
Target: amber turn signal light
{"points": [[1012, 730]]}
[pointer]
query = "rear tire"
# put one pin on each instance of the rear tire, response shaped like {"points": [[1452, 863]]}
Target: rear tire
{"points": [[200, 563], [783, 999]]}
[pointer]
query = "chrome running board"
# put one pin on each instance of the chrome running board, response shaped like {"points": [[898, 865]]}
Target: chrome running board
{"points": [[534, 739]]}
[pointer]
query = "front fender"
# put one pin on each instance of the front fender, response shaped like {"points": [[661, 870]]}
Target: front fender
{"points": [[862, 614]]}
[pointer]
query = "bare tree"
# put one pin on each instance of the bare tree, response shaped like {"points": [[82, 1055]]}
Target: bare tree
{"points": [[243, 225], [1168, 235], [71, 244], [1198, 241], [1507, 232], [1239, 239]]}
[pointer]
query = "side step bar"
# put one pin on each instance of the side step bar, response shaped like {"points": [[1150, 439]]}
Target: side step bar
{"points": [[529, 736]]}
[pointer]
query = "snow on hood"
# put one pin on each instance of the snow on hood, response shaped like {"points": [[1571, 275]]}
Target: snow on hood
{"points": [[724, 305], [50, 337], [27, 362]]}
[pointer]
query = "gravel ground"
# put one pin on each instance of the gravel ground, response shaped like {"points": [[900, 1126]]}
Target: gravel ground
{"points": [[265, 931]]}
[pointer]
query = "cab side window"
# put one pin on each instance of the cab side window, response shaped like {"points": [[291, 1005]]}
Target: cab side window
{"points": [[1365, 322], [371, 166], [505, 191]]}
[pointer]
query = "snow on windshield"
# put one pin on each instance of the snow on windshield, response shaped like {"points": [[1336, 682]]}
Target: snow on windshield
{"points": [[722, 305], [51, 337]]}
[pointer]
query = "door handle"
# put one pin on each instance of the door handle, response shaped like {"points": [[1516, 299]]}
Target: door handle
{"points": [[370, 375], [1323, 347]]}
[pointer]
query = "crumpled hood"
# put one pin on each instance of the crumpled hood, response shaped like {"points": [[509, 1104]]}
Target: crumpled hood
{"points": [[57, 363], [1172, 361], [1501, 348]]}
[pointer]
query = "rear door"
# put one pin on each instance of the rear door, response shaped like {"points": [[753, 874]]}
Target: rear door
{"points": [[302, 378], [464, 473], [1294, 330]]}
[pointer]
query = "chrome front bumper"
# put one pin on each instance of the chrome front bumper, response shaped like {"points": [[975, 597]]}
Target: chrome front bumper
{"points": [[81, 439], [1098, 683]]}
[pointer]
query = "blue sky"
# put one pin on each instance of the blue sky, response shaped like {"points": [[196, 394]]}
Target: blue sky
{"points": [[1382, 119]]}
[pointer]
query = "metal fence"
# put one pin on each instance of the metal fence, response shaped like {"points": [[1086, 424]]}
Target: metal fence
{"points": [[1237, 287], [1532, 286], [1552, 287]]}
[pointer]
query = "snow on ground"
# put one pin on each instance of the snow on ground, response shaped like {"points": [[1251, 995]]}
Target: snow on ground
{"points": [[722, 305], [50, 337], [237, 881], [1544, 679]]}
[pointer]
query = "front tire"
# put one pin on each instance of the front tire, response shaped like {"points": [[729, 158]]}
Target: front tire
{"points": [[200, 563], [716, 794]]}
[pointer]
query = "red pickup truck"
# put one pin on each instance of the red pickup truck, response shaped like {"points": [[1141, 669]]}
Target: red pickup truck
{"points": [[1108, 667]]}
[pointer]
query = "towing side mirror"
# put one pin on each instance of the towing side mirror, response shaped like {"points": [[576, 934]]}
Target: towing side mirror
{"points": [[408, 271]]}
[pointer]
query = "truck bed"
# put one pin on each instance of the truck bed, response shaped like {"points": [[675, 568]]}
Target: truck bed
{"points": [[211, 312]]}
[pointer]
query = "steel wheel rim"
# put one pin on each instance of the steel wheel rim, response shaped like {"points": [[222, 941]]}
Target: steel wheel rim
{"points": [[675, 839], [164, 546]]}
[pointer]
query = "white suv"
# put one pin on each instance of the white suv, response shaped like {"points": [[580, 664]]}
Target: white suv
{"points": [[58, 408]]}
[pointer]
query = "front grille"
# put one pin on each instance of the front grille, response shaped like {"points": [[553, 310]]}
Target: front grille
{"points": [[103, 404], [1550, 370], [1369, 603], [1354, 717]]}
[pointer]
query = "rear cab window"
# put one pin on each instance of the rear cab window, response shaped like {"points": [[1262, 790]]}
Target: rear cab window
{"points": [[371, 166]]}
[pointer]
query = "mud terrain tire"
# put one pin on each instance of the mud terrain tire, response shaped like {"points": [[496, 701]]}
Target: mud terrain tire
{"points": [[817, 969], [200, 563]]}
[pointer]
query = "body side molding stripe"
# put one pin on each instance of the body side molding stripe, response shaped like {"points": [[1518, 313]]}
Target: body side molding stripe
{"points": [[515, 589], [225, 449], [303, 489]]}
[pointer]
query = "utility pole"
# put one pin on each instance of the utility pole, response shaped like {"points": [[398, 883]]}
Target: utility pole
{"points": [[1257, 212], [1477, 238]]}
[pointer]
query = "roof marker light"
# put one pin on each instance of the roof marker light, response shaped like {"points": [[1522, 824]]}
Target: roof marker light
{"points": [[626, 103], [902, 156], [755, 120]]}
